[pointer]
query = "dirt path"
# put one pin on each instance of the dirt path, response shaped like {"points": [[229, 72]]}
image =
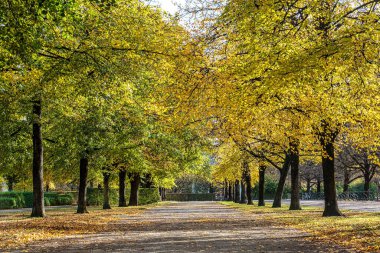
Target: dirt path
{"points": [[189, 227]]}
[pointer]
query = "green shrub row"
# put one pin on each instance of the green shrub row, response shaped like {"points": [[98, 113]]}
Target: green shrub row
{"points": [[146, 196], [9, 200]]}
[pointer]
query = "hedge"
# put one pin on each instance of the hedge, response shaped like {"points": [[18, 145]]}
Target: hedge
{"points": [[25, 199], [146, 196]]}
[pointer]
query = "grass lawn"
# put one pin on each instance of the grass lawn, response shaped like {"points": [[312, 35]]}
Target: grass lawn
{"points": [[19, 229], [358, 230]]}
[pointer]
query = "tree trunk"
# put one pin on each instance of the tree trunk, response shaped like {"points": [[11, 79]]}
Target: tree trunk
{"points": [[83, 184], [135, 183], [10, 184], [308, 185], [122, 176], [281, 183], [295, 177], [148, 181], [237, 191], [331, 204], [38, 209], [318, 186], [247, 178], [229, 191], [367, 181], [346, 181], [242, 191], [261, 185], [225, 189], [106, 190]]}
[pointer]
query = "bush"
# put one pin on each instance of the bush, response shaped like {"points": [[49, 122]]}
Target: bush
{"points": [[146, 196], [8, 203], [46, 201], [17, 196], [64, 200]]}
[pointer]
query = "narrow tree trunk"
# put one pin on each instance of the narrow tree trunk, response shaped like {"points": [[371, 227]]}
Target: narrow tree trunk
{"points": [[295, 178], [82, 205], [247, 178], [318, 186], [229, 191], [308, 185], [135, 183], [346, 181], [10, 184], [106, 190], [122, 177], [367, 181], [281, 183], [261, 185], [331, 203], [38, 209], [237, 191], [225, 189], [242, 191]]}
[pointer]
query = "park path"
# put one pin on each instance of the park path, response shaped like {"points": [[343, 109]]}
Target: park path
{"points": [[189, 227]]}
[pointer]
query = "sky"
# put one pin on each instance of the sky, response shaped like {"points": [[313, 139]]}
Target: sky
{"points": [[169, 5]]}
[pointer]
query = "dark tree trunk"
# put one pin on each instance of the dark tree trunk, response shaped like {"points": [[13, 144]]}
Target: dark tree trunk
{"points": [[82, 205], [122, 177], [308, 185], [10, 183], [346, 181], [148, 181], [38, 209], [318, 186], [261, 185], [327, 138], [237, 191], [47, 187], [281, 183], [229, 191], [135, 183], [242, 191], [106, 190], [225, 189], [295, 177], [367, 181], [247, 178]]}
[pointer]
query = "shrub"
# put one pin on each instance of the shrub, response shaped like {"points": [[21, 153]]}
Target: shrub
{"points": [[46, 201], [65, 200], [17, 196], [148, 196], [8, 203]]}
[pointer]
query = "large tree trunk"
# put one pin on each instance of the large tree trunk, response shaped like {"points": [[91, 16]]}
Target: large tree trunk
{"points": [[261, 185], [237, 191], [38, 209], [122, 177], [295, 177], [83, 172], [327, 138], [135, 180], [229, 191], [247, 178], [106, 190], [281, 183]]}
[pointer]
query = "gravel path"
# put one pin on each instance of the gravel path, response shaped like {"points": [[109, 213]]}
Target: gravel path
{"points": [[189, 227], [360, 206]]}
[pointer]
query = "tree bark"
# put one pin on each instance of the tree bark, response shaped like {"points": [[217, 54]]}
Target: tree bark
{"points": [[242, 191], [327, 138], [122, 177], [318, 186], [237, 191], [367, 181], [229, 191], [295, 177], [38, 209], [106, 190], [346, 182], [135, 180], [308, 185], [281, 183], [83, 172], [225, 189], [261, 185], [247, 178]]}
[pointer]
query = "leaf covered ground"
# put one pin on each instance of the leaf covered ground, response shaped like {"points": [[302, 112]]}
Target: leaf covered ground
{"points": [[358, 230], [19, 229]]}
